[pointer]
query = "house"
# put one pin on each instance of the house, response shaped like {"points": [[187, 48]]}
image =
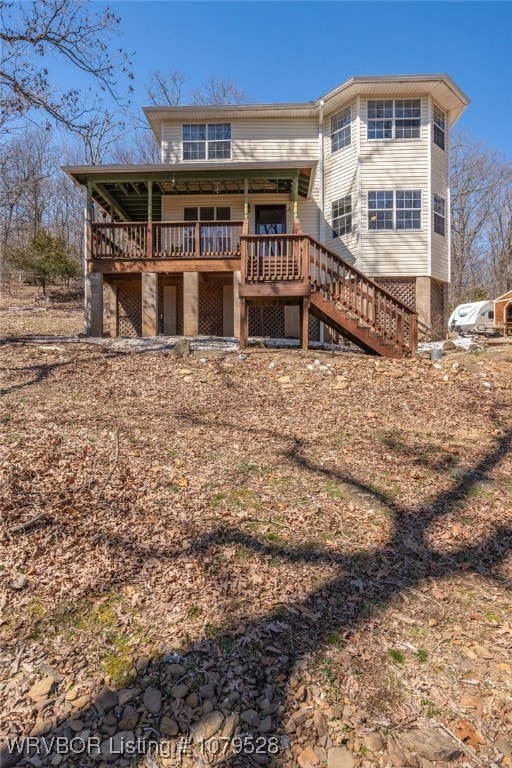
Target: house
{"points": [[281, 219], [503, 313]]}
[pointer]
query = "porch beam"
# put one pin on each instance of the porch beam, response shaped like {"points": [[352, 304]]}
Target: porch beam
{"points": [[111, 201]]}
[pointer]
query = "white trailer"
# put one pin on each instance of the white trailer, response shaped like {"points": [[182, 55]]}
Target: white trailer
{"points": [[477, 317]]}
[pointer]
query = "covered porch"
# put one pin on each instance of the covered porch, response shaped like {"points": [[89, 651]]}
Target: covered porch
{"points": [[164, 245]]}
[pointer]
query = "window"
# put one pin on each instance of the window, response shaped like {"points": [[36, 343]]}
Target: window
{"points": [[207, 213], [394, 209], [342, 216], [439, 127], [439, 215], [203, 141], [340, 129], [394, 119], [214, 237]]}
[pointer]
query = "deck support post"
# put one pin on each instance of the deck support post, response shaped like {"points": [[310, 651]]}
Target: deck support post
{"points": [[149, 243], [236, 303], [244, 324], [149, 303], [246, 199], [191, 303], [93, 293], [295, 198], [304, 323]]}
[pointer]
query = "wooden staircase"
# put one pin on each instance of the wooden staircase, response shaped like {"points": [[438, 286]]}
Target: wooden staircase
{"points": [[299, 269]]}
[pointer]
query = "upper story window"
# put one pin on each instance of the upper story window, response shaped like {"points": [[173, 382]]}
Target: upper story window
{"points": [[206, 141], [394, 119], [394, 209], [340, 129], [439, 215], [439, 127], [342, 216]]}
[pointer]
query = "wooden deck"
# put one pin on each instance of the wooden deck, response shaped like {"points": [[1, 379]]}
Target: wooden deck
{"points": [[288, 269]]}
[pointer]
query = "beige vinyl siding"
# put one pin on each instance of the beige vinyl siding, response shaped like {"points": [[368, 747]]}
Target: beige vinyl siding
{"points": [[440, 245], [340, 180], [263, 140], [390, 165]]}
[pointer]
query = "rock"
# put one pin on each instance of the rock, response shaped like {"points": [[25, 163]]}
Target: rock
{"points": [[176, 670], [307, 758], [180, 691], [125, 695], [116, 745], [76, 725], [9, 759], [42, 689], [153, 700], [396, 754], [320, 723], [169, 726], [433, 745], [182, 348], [208, 706], [19, 582], [106, 700], [207, 726], [284, 380], [339, 757], [373, 742], [504, 746], [129, 719], [83, 702], [251, 717], [230, 725], [192, 700], [206, 691], [265, 725], [449, 346]]}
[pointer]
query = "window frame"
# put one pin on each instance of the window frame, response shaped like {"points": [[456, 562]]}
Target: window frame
{"points": [[439, 127], [387, 204], [344, 218], [439, 217], [390, 119], [203, 141], [340, 133]]}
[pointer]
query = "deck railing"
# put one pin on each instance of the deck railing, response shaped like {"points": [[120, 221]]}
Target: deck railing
{"points": [[301, 258], [164, 240]]}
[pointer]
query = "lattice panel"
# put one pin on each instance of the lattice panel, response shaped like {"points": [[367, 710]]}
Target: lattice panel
{"points": [[266, 321], [437, 308], [314, 328], [179, 307], [403, 288], [129, 309], [211, 309]]}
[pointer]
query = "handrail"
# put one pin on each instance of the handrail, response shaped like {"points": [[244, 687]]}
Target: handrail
{"points": [[164, 239], [364, 298], [301, 258]]}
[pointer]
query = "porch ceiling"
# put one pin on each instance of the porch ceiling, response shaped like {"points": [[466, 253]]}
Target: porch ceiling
{"points": [[123, 190]]}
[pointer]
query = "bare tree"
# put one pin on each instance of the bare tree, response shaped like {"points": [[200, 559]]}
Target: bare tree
{"points": [[165, 88], [70, 31], [478, 178], [218, 91]]}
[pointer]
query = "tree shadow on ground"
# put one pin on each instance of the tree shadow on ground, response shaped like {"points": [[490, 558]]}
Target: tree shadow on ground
{"points": [[238, 676]]}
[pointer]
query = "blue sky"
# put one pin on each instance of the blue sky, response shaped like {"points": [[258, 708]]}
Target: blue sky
{"points": [[299, 50]]}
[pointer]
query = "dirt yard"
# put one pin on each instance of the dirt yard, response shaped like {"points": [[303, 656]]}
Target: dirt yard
{"points": [[280, 558]]}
